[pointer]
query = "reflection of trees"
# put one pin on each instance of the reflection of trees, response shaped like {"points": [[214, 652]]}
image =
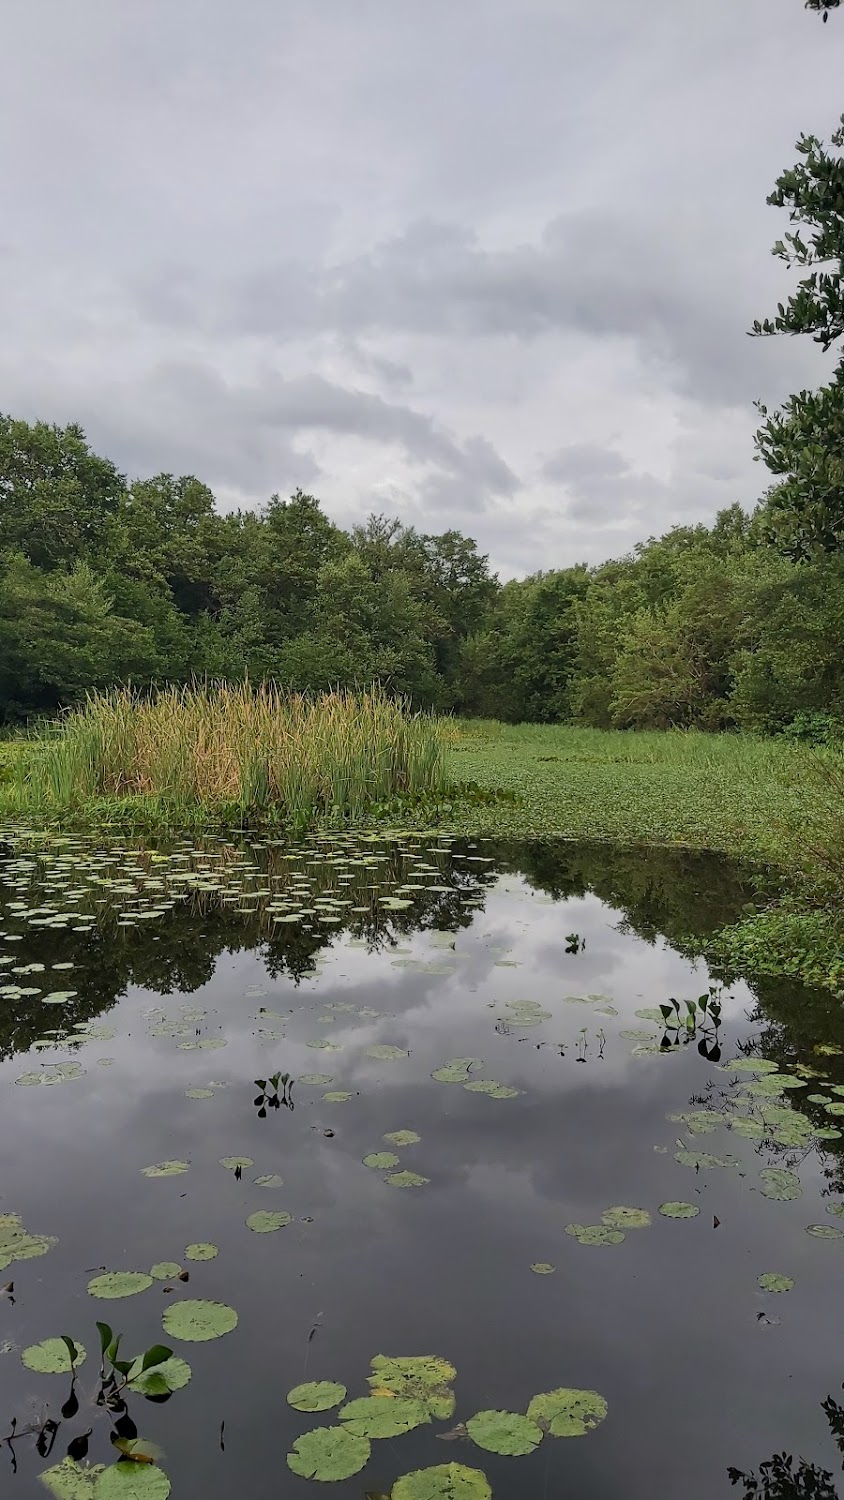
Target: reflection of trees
{"points": [[780, 1478]]}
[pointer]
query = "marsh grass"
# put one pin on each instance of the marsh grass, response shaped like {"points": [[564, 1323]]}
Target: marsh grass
{"points": [[249, 751]]}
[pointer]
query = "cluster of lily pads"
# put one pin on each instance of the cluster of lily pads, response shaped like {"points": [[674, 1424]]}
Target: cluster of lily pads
{"points": [[16, 1242], [413, 1391], [458, 1070]]}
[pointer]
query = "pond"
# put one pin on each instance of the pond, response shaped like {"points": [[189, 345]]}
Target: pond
{"points": [[399, 1117]]}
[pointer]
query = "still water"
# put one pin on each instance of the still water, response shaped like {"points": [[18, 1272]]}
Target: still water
{"points": [[151, 1004]]}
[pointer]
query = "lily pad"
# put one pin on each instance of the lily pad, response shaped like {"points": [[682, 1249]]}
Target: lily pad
{"points": [[132, 1481], [269, 1180], [377, 1417], [698, 1159], [492, 1088], [543, 1268], [406, 1179], [165, 1270], [328, 1453], [316, 1395], [166, 1169], [402, 1137], [113, 1284], [384, 1053], [52, 1357], [825, 1231], [337, 1096], [504, 1432], [381, 1160], [443, 1482], [751, 1065], [568, 1412], [779, 1183], [674, 1210], [70, 1480], [626, 1218], [595, 1234], [196, 1322], [199, 1093], [456, 1070], [772, 1281], [233, 1162], [265, 1221], [201, 1251], [315, 1078], [172, 1374]]}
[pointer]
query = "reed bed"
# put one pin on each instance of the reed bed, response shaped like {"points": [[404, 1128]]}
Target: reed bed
{"points": [[257, 750]]}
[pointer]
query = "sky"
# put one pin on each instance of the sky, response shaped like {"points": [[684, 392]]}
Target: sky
{"points": [[486, 265]]}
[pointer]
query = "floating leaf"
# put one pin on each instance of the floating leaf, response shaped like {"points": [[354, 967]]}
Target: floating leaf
{"points": [[779, 1183], [113, 1284], [233, 1162], [166, 1169], [456, 1070], [52, 1357], [568, 1413], [269, 1180], [381, 1160], [492, 1088], [132, 1481], [195, 1322], [698, 1159], [165, 1270], [328, 1453], [825, 1231], [674, 1210], [316, 1395], [264, 1221], [70, 1480], [626, 1218], [201, 1251], [199, 1093], [504, 1432], [402, 1137], [172, 1374], [337, 1096], [772, 1281], [314, 1078], [375, 1417], [406, 1179], [751, 1065], [595, 1234], [543, 1267], [443, 1482]]}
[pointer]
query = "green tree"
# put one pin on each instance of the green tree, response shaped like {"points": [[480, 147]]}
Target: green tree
{"points": [[56, 496]]}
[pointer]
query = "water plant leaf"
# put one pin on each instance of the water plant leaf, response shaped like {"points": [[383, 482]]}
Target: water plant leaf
{"points": [[825, 1231], [494, 1089], [328, 1453], [568, 1412], [381, 1160], [199, 1093], [316, 1395], [201, 1251], [337, 1096], [233, 1162], [543, 1268], [780, 1184], [772, 1281], [377, 1417], [171, 1374], [402, 1137], [265, 1221], [677, 1210], [456, 1070], [698, 1159], [384, 1053], [132, 1481], [113, 1284], [165, 1270], [504, 1432], [626, 1218], [196, 1322], [443, 1482], [70, 1480], [52, 1357], [269, 1180], [595, 1234], [314, 1078], [406, 1179], [166, 1169], [751, 1065]]}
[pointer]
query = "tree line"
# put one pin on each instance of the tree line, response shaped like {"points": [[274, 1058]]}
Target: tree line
{"points": [[735, 625]]}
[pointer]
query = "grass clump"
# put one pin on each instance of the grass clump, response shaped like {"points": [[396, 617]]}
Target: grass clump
{"points": [[238, 751]]}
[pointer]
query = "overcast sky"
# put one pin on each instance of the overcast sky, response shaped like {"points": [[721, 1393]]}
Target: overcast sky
{"points": [[475, 263]]}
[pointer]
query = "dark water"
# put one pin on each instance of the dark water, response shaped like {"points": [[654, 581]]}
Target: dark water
{"points": [[700, 1368]]}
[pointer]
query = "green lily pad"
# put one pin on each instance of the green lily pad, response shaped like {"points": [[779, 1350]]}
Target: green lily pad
{"points": [[233, 1162], [166, 1169], [269, 1180], [381, 1160], [70, 1480], [443, 1482], [674, 1210], [337, 1096], [406, 1179], [195, 1322], [264, 1221], [379, 1417], [780, 1184], [402, 1137], [504, 1432], [772, 1281], [747, 1127], [201, 1251], [128, 1481], [315, 1078], [699, 1121], [172, 1374], [395, 1372], [165, 1270], [569, 1413], [383, 1053], [492, 1088], [825, 1231], [199, 1093], [543, 1268], [113, 1284], [650, 1013], [698, 1159], [52, 1357], [456, 1070], [626, 1218], [751, 1065], [328, 1453], [316, 1395], [595, 1234], [837, 1209]]}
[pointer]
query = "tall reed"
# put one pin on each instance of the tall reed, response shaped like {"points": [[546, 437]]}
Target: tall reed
{"points": [[256, 749]]}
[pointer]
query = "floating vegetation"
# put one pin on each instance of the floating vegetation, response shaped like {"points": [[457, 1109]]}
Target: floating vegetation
{"points": [[780, 1184], [456, 1070], [337, 1096], [543, 1268], [315, 1078], [265, 1221], [235, 1163], [52, 1073], [772, 1281], [165, 1270], [443, 1482], [406, 1179], [381, 1160], [385, 1053], [329, 1453], [825, 1231], [568, 1412], [269, 1180], [114, 1284], [402, 1137], [52, 1357], [505, 1432], [626, 1218], [171, 1375], [704, 1159], [197, 1322], [166, 1169], [377, 1417], [595, 1234], [316, 1395], [674, 1210], [16, 1243], [201, 1251], [493, 1089]]}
